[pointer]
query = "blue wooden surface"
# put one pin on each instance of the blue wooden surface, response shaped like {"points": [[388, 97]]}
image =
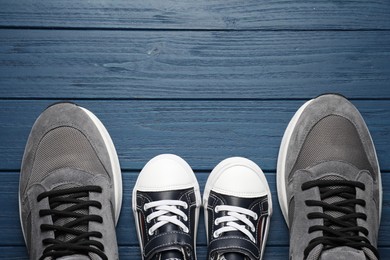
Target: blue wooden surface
{"points": [[203, 79], [200, 14], [193, 64]]}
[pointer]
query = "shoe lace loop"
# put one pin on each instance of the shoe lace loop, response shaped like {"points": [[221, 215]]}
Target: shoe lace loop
{"points": [[67, 206], [166, 211], [340, 227], [233, 216]]}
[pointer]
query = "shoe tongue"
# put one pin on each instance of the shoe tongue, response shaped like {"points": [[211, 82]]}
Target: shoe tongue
{"points": [[233, 256], [335, 199], [168, 227], [342, 253], [334, 171], [234, 234], [240, 202], [171, 255], [63, 221], [167, 195]]}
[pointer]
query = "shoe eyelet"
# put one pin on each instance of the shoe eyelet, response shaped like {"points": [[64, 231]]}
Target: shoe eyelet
{"points": [[188, 251], [216, 209], [186, 230], [186, 206], [216, 222], [145, 209], [215, 234], [185, 218], [150, 233], [256, 217], [147, 219]]}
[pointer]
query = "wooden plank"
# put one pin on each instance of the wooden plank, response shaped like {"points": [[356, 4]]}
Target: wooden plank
{"points": [[278, 236], [70, 64], [203, 132], [132, 252], [202, 14]]}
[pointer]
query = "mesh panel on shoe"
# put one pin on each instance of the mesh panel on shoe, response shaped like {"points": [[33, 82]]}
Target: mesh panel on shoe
{"points": [[315, 253], [64, 147], [63, 221], [333, 138], [334, 199]]}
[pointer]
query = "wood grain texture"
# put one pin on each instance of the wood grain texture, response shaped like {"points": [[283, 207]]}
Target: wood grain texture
{"points": [[126, 232], [202, 14], [132, 252], [67, 64], [203, 132], [203, 79]]}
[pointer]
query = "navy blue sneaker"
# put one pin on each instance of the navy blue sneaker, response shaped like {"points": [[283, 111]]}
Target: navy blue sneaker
{"points": [[166, 201], [237, 205]]}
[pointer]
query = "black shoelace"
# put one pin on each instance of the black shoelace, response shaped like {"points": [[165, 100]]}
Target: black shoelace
{"points": [[80, 243], [342, 230]]}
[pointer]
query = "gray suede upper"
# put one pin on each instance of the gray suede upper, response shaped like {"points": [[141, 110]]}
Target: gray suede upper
{"points": [[69, 116], [318, 109], [333, 167]]}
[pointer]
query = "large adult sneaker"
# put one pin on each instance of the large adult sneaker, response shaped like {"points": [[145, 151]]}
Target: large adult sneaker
{"points": [[237, 207], [70, 189], [166, 201], [329, 183]]}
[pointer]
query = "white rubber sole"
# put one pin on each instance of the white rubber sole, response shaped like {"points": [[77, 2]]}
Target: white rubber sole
{"points": [[280, 169], [115, 166], [20, 216], [219, 170], [281, 164], [195, 185]]}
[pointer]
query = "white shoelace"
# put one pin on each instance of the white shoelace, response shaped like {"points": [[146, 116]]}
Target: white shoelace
{"points": [[235, 214], [163, 207]]}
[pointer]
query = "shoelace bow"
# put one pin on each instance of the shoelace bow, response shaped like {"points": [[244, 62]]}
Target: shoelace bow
{"points": [[166, 211], [80, 243], [235, 214], [342, 230]]}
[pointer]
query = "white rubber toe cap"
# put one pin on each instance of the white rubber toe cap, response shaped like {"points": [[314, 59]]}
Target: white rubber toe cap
{"points": [[239, 177], [166, 172]]}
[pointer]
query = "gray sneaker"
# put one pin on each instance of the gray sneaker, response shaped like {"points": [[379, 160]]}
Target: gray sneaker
{"points": [[329, 182], [70, 189]]}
